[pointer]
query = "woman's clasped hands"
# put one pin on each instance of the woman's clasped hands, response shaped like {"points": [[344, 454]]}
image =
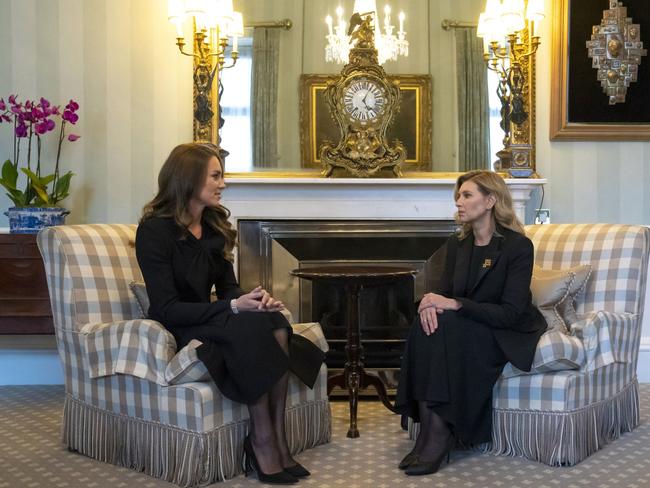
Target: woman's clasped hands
{"points": [[431, 306], [258, 300]]}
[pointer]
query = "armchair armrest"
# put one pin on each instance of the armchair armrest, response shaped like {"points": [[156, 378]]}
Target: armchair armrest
{"points": [[138, 347], [607, 337]]}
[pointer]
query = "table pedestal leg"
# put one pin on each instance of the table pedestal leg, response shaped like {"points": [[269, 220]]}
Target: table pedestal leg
{"points": [[354, 353], [372, 380]]}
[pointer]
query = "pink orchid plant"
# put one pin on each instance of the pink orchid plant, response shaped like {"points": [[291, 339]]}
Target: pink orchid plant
{"points": [[31, 122]]}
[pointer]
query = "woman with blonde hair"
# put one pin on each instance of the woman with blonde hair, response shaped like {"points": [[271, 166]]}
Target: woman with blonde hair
{"points": [[478, 318], [184, 245]]}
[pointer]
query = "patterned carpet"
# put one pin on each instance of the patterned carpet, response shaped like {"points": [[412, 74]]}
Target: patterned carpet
{"points": [[31, 455]]}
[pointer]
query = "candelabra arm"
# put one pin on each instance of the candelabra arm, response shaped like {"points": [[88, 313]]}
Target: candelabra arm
{"points": [[181, 44], [234, 56]]}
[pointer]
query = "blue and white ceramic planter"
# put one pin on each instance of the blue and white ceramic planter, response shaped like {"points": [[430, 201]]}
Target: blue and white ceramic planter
{"points": [[29, 220]]}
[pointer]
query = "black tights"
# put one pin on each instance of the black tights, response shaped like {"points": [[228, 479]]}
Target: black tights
{"points": [[434, 434], [267, 415]]}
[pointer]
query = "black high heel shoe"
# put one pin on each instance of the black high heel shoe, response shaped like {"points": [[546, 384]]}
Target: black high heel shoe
{"points": [[409, 459], [251, 464], [297, 471], [419, 468]]}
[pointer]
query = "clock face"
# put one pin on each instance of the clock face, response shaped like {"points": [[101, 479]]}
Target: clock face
{"points": [[364, 100]]}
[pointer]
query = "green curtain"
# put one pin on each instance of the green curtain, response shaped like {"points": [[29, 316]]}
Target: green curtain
{"points": [[264, 97], [473, 102]]}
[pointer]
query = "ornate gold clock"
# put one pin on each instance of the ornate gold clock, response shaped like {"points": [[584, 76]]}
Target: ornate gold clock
{"points": [[363, 102]]}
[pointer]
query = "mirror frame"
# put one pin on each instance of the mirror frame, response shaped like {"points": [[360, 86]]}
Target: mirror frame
{"points": [[418, 112]]}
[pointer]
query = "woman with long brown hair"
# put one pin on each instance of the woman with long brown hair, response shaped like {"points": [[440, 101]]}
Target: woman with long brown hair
{"points": [[479, 317], [184, 245]]}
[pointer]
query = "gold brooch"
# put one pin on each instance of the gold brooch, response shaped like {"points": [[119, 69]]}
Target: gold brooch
{"points": [[487, 263]]}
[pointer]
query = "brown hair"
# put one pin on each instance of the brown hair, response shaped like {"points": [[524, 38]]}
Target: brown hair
{"points": [[181, 177], [490, 183]]}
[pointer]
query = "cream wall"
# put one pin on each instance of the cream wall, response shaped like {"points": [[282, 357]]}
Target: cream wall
{"points": [[117, 58]]}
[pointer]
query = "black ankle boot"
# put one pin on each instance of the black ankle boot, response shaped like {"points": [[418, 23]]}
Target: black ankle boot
{"points": [[251, 464]]}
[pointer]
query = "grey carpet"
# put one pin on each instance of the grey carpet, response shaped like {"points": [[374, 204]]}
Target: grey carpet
{"points": [[31, 455]]}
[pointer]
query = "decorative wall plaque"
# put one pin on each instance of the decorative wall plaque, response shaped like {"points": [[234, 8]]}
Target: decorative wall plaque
{"points": [[616, 50]]}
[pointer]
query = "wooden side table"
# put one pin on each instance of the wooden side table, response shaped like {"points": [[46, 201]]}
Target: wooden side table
{"points": [[24, 298], [354, 279]]}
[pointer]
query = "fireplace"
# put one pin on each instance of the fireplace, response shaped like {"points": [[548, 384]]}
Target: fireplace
{"points": [[270, 249]]}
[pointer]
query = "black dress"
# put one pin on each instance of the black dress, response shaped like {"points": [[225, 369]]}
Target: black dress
{"points": [[455, 368], [239, 350]]}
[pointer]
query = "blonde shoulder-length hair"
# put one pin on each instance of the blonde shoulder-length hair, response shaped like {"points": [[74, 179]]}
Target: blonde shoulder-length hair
{"points": [[490, 183]]}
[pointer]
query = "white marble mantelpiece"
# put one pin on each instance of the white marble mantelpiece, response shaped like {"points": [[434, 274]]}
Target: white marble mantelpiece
{"points": [[354, 198]]}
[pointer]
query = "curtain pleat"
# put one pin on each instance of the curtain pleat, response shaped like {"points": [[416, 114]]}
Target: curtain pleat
{"points": [[473, 102], [264, 97]]}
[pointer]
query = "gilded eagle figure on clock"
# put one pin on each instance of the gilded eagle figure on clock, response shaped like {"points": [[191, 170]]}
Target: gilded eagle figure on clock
{"points": [[363, 102]]}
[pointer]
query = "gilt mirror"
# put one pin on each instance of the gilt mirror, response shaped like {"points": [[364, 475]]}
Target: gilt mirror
{"points": [[269, 89]]}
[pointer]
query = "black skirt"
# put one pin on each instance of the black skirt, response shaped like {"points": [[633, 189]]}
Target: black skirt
{"points": [[453, 370], [244, 358]]}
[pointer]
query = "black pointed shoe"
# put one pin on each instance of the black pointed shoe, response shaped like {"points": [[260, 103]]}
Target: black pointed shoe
{"points": [[251, 464], [297, 471], [419, 468], [409, 459]]}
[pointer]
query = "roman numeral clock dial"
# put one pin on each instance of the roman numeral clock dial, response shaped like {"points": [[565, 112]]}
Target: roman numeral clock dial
{"points": [[364, 100]]}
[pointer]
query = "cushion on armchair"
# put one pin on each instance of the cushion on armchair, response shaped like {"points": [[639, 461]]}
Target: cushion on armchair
{"points": [[139, 291], [554, 293]]}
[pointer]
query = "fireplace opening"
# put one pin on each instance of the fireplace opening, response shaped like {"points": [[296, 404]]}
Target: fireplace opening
{"points": [[270, 249]]}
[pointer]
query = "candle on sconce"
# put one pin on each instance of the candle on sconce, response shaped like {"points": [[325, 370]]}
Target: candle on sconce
{"points": [[179, 29], [401, 21], [387, 16], [328, 21]]}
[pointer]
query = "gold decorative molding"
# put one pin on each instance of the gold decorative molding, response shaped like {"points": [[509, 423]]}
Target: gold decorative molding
{"points": [[560, 127]]}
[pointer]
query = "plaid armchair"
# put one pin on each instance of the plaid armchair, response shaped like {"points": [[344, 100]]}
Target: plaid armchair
{"points": [[131, 398], [582, 392]]}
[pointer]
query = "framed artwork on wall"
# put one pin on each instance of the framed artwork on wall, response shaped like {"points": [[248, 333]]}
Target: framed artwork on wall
{"points": [[412, 125], [580, 109]]}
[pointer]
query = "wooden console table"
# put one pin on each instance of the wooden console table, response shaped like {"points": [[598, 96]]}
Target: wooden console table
{"points": [[24, 299], [354, 279]]}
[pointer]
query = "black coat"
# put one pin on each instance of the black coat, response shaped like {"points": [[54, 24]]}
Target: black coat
{"points": [[239, 350], [179, 271], [500, 297]]}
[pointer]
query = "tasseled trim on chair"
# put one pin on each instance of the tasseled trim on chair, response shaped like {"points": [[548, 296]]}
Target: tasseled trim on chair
{"points": [[562, 438], [180, 456], [565, 438]]}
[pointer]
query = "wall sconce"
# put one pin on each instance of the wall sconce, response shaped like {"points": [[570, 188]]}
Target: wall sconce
{"points": [[510, 38], [213, 22]]}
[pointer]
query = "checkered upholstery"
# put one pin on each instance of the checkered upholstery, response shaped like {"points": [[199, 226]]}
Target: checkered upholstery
{"points": [[120, 367], [574, 412], [556, 351]]}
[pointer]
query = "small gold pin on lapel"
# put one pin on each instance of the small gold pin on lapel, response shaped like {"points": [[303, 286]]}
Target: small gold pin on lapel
{"points": [[487, 263]]}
